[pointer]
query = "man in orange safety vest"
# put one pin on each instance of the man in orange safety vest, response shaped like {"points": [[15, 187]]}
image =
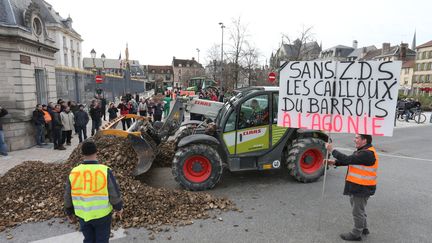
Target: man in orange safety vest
{"points": [[360, 181]]}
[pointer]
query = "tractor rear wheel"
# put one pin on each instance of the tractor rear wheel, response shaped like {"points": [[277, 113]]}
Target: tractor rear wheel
{"points": [[197, 167], [305, 159]]}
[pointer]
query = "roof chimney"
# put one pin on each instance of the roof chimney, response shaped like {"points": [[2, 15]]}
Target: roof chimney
{"points": [[403, 51], [355, 44], [193, 58], [385, 47]]}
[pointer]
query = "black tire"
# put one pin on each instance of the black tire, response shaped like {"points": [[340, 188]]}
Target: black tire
{"points": [[401, 117], [419, 118], [185, 158], [298, 161]]}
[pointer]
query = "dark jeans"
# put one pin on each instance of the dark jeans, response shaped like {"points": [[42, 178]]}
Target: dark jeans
{"points": [[66, 137], [40, 134], [57, 136], [3, 147], [95, 126], [48, 127], [126, 122], [358, 205], [82, 131], [103, 112], [96, 230], [157, 117], [143, 113]]}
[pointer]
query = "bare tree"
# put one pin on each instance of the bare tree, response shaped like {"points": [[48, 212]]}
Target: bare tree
{"points": [[213, 54], [213, 66], [251, 63], [238, 34], [298, 44]]}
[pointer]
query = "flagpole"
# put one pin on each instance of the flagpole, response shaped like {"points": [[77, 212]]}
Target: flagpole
{"points": [[326, 160]]}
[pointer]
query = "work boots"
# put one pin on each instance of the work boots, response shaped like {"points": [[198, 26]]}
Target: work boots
{"points": [[350, 237]]}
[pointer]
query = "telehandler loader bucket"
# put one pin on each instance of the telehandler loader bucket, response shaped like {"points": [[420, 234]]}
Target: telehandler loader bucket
{"points": [[145, 150], [144, 137], [146, 154]]}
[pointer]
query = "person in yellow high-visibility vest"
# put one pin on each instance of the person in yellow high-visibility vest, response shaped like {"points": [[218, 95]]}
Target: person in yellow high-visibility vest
{"points": [[360, 181], [91, 194]]}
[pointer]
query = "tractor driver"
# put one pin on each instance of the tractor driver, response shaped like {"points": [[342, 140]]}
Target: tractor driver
{"points": [[256, 117]]}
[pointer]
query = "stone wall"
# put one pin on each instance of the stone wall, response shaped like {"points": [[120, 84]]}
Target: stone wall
{"points": [[19, 60]]}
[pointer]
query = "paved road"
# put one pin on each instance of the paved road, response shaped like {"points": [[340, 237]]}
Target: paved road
{"points": [[278, 209]]}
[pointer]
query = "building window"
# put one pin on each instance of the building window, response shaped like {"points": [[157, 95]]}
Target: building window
{"points": [[41, 86], [37, 26], [422, 67], [78, 61], [428, 67], [179, 65], [72, 60], [405, 81], [71, 44], [64, 42], [421, 79], [65, 59], [424, 55], [406, 70]]}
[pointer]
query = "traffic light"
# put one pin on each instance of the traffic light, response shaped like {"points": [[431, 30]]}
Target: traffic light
{"points": [[99, 91]]}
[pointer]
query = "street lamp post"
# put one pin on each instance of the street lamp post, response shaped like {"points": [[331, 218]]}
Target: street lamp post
{"points": [[221, 81], [198, 50], [103, 63]]}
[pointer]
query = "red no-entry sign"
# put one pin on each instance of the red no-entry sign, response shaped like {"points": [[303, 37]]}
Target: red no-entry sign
{"points": [[99, 79], [272, 77]]}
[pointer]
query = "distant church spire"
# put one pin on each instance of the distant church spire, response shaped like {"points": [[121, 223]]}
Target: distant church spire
{"points": [[127, 52], [413, 45]]}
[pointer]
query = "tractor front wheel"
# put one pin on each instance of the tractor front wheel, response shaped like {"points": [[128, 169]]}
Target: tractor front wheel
{"points": [[305, 159], [197, 167]]}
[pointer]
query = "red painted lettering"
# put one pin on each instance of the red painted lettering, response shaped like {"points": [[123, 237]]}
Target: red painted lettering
{"points": [[327, 122], [365, 123], [286, 121], [376, 126], [75, 176], [87, 178], [99, 174], [337, 127], [353, 124], [316, 122], [299, 120]]}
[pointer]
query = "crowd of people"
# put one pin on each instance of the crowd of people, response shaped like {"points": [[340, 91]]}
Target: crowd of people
{"points": [[56, 122], [154, 107]]}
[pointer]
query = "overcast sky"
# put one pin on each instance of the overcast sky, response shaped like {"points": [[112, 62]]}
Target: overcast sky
{"points": [[158, 30]]}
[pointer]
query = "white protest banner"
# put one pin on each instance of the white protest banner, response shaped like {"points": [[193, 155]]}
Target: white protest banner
{"points": [[343, 97]]}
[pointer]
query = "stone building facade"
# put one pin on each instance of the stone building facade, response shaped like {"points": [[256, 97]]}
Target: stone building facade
{"points": [[67, 40], [27, 67], [422, 77], [185, 69]]}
